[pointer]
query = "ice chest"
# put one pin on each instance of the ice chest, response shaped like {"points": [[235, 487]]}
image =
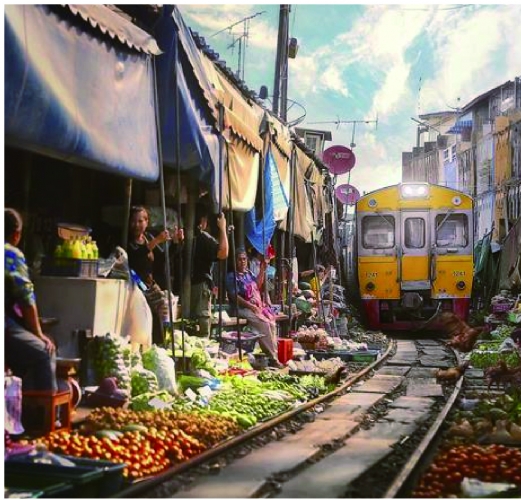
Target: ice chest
{"points": [[89, 479], [285, 350]]}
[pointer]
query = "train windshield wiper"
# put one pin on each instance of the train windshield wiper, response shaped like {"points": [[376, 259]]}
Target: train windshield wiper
{"points": [[449, 213]]}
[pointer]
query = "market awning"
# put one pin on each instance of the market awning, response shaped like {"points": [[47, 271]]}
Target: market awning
{"points": [[198, 139], [302, 213], [79, 86], [242, 121], [460, 126]]}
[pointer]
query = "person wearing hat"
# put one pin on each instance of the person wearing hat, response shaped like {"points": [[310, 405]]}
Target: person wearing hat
{"points": [[243, 290], [29, 353], [205, 252]]}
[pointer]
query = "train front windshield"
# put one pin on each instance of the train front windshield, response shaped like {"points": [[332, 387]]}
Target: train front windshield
{"points": [[452, 231], [378, 231]]}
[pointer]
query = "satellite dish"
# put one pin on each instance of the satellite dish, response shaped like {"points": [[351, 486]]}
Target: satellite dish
{"points": [[347, 194], [339, 159]]}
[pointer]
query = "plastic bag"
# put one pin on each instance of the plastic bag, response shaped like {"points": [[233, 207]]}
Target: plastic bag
{"points": [[137, 322], [116, 265], [157, 360], [13, 404]]}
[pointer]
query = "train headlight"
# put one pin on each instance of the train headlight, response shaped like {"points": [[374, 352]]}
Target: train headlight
{"points": [[414, 191], [370, 286], [461, 285]]}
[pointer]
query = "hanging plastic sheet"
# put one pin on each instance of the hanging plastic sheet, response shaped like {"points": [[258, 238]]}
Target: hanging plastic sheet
{"points": [[260, 226], [303, 214], [81, 91]]}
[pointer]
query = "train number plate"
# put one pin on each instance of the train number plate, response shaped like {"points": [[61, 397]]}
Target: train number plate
{"points": [[371, 274], [458, 273]]}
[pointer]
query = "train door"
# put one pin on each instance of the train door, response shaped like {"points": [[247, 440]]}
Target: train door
{"points": [[452, 262], [414, 274]]}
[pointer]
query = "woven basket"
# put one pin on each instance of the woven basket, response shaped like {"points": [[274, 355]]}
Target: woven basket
{"points": [[308, 346]]}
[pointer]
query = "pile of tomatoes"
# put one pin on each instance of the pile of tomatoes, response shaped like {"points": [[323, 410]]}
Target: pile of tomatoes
{"points": [[493, 463], [144, 454]]}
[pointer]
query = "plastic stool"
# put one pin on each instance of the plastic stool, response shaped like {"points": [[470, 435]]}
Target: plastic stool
{"points": [[50, 401], [285, 350]]}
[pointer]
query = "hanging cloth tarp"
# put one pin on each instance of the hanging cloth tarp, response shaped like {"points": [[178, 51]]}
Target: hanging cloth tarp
{"points": [[303, 214], [199, 142], [280, 140], [79, 86], [260, 228], [243, 119]]}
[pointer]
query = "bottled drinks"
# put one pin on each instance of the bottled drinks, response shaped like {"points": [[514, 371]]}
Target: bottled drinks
{"points": [[95, 251]]}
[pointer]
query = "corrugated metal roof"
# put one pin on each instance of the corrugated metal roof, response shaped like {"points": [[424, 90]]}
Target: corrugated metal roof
{"points": [[108, 22], [484, 96]]}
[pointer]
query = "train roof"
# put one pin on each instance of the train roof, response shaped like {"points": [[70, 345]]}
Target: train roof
{"points": [[397, 196]]}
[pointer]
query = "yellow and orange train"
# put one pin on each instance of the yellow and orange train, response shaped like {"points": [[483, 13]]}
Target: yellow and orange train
{"points": [[414, 253]]}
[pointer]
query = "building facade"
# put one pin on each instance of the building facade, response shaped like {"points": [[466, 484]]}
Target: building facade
{"points": [[476, 149]]}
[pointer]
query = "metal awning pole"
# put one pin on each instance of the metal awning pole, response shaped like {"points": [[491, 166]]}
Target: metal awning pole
{"points": [[222, 262], [163, 202], [291, 228], [163, 194]]}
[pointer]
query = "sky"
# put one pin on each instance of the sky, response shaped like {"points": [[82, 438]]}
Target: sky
{"points": [[366, 62]]}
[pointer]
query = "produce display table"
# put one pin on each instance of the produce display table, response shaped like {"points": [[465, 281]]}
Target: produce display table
{"points": [[96, 304], [228, 324]]}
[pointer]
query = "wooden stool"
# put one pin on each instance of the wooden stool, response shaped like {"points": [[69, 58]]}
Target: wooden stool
{"points": [[50, 401]]}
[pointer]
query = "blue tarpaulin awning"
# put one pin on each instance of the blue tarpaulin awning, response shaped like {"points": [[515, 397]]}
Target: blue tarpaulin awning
{"points": [[199, 143], [79, 86], [460, 126]]}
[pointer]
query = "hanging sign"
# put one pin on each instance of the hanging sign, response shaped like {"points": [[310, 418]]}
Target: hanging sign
{"points": [[347, 194], [339, 159]]}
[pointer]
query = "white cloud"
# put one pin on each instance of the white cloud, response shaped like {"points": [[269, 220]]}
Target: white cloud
{"points": [[214, 18], [332, 79], [391, 95], [466, 50]]}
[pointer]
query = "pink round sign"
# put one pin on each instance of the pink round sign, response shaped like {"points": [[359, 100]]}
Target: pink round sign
{"points": [[339, 159], [347, 194]]}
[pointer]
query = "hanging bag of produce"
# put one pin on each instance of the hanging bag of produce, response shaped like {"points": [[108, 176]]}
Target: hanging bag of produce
{"points": [[137, 322], [13, 404]]}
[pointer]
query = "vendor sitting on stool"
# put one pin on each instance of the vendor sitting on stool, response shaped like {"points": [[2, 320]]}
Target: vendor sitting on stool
{"points": [[251, 306], [29, 354]]}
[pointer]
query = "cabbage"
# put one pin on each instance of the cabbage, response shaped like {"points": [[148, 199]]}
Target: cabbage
{"points": [[142, 380]]}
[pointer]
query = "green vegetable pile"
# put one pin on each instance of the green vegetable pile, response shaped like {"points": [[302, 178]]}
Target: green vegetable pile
{"points": [[505, 407], [247, 409], [107, 355], [142, 381], [484, 359]]}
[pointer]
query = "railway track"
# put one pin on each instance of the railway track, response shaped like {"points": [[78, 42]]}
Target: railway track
{"points": [[365, 439]]}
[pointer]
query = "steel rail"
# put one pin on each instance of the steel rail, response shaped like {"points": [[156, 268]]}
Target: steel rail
{"points": [[140, 487], [414, 462]]}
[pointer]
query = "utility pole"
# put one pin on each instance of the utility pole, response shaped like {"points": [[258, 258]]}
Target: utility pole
{"points": [[280, 86]]}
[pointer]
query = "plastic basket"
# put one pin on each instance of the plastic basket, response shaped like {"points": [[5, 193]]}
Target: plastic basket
{"points": [[78, 268], [18, 485], [501, 307], [230, 341], [90, 478]]}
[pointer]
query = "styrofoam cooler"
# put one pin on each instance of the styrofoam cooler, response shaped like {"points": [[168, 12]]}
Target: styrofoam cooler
{"points": [[285, 350]]}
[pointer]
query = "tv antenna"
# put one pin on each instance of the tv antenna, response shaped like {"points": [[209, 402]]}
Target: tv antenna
{"points": [[339, 122], [241, 40]]}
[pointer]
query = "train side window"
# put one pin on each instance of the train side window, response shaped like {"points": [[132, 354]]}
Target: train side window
{"points": [[378, 231], [414, 236], [452, 231]]}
